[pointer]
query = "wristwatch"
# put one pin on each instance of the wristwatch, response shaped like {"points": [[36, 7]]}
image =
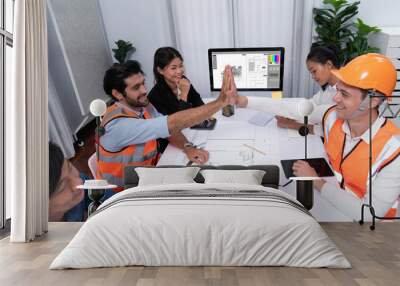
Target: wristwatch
{"points": [[188, 144]]}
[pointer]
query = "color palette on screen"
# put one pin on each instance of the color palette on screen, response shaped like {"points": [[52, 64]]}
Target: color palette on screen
{"points": [[274, 59]]}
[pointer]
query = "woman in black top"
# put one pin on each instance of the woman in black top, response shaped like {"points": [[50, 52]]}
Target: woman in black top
{"points": [[173, 91]]}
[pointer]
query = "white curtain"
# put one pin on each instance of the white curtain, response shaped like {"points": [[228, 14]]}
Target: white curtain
{"points": [[301, 84], [26, 127], [198, 26], [269, 23]]}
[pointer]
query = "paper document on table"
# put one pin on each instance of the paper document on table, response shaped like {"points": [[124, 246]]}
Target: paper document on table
{"points": [[261, 118], [173, 157], [244, 157], [231, 145], [233, 130], [234, 152], [294, 147], [200, 138]]}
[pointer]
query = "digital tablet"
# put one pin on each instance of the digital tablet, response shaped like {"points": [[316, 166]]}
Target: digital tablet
{"points": [[319, 164], [206, 124]]}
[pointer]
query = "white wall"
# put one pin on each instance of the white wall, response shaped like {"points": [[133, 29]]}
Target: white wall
{"points": [[143, 23], [376, 12], [380, 13]]}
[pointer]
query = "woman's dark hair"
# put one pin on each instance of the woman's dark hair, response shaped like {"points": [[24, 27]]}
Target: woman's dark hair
{"points": [[56, 161], [322, 54], [162, 57], [115, 76]]}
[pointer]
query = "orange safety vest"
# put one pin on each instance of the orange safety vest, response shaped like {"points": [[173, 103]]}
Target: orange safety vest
{"points": [[352, 170], [111, 164]]}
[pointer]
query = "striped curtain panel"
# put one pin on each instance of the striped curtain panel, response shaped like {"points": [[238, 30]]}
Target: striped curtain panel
{"points": [[26, 124], [210, 27]]}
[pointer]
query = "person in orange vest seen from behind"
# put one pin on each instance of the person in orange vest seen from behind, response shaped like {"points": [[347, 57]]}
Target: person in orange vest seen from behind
{"points": [[346, 134], [131, 126]]}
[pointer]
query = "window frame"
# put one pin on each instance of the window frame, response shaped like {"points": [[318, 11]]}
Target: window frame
{"points": [[6, 39]]}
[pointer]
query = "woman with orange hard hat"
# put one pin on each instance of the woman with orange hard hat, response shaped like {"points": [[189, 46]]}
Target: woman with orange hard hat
{"points": [[346, 132]]}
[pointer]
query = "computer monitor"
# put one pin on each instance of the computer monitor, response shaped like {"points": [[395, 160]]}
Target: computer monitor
{"points": [[254, 69]]}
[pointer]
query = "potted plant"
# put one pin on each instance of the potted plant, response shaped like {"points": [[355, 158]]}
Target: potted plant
{"points": [[335, 26], [123, 50], [358, 42]]}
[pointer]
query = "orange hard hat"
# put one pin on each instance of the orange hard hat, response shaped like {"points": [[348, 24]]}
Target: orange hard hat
{"points": [[370, 71]]}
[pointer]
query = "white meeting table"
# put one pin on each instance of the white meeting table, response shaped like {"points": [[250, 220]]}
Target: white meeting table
{"points": [[228, 144]]}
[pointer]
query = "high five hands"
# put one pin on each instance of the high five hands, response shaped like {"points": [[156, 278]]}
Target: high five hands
{"points": [[228, 92]]}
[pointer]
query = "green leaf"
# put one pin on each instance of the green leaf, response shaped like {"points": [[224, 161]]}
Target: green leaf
{"points": [[348, 10], [122, 51], [374, 50], [364, 29], [324, 12], [335, 3], [347, 18]]}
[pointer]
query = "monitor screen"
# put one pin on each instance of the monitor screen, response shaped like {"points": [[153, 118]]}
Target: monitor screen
{"points": [[253, 68]]}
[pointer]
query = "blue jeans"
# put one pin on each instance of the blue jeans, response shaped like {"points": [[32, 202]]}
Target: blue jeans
{"points": [[78, 212]]}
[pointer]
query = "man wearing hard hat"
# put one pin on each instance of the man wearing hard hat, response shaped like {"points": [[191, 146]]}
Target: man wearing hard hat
{"points": [[346, 134]]}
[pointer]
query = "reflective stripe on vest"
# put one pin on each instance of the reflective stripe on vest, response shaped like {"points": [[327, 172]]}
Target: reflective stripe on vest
{"points": [[328, 122], [111, 164], [352, 170]]}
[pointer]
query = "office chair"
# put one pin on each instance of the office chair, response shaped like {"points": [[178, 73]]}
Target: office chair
{"points": [[92, 163]]}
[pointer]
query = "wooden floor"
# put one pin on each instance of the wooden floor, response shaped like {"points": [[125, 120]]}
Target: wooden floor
{"points": [[374, 255]]}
